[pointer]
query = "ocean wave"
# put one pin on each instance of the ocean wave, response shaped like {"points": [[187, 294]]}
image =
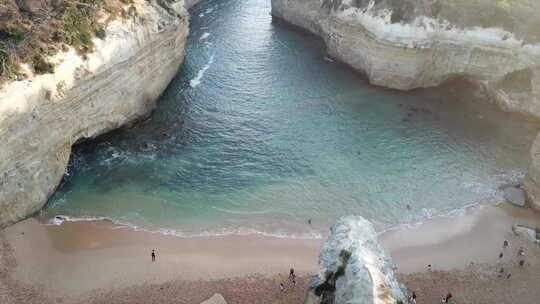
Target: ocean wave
{"points": [[204, 36], [241, 212], [58, 220], [489, 190], [197, 80]]}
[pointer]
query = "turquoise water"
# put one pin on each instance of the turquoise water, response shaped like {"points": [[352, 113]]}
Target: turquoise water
{"points": [[260, 132]]}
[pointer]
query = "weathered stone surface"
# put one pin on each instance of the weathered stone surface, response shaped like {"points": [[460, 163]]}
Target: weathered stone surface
{"points": [[354, 269], [31, 6], [215, 299], [43, 116], [515, 196], [528, 233]]}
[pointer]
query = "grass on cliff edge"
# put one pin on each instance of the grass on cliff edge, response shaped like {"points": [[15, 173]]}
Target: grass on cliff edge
{"points": [[33, 30]]}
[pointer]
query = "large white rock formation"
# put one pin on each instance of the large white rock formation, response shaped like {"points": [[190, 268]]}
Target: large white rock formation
{"points": [[354, 269]]}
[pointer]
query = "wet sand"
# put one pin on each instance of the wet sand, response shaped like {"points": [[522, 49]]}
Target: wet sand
{"points": [[97, 262]]}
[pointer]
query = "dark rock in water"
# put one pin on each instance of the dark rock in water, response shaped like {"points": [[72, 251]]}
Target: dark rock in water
{"points": [[515, 195]]}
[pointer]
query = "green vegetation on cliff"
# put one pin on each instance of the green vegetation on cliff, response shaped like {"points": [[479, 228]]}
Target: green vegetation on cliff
{"points": [[33, 30]]}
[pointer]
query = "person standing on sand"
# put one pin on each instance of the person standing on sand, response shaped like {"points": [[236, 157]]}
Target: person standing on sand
{"points": [[291, 273], [447, 298], [413, 297], [294, 279], [282, 287], [153, 255], [505, 244]]}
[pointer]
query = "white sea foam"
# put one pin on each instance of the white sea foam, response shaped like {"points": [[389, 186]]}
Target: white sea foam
{"points": [[243, 231], [423, 31], [204, 36], [60, 219], [489, 191], [197, 80]]}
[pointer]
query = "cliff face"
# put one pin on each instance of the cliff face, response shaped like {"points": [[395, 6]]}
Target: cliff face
{"points": [[419, 50], [43, 116], [354, 268], [411, 44]]}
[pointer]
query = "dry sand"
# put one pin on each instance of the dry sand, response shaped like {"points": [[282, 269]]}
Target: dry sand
{"points": [[97, 262]]}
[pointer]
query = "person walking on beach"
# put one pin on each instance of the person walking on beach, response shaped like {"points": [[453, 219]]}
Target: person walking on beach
{"points": [[413, 297], [291, 273], [282, 287], [153, 255], [294, 279], [447, 298], [505, 244]]}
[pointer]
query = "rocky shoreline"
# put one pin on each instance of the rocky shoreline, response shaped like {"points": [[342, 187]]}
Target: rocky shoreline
{"points": [[41, 117]]}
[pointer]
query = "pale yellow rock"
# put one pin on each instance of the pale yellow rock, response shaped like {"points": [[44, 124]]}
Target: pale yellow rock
{"points": [[43, 116], [215, 299]]}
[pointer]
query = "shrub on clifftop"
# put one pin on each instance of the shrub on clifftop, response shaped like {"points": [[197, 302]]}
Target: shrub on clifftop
{"points": [[33, 30]]}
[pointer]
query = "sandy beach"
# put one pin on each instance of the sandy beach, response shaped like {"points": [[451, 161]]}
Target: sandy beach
{"points": [[98, 262]]}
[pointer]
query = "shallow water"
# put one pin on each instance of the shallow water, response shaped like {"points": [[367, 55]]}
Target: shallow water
{"points": [[260, 132]]}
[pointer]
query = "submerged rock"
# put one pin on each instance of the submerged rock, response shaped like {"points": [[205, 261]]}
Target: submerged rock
{"points": [[354, 269], [515, 195], [215, 299]]}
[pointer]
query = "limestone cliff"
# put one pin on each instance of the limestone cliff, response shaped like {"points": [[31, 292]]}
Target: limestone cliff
{"points": [[354, 269], [42, 116], [420, 49]]}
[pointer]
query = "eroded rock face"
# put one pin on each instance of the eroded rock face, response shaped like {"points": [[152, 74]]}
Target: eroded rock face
{"points": [[354, 269], [420, 51], [43, 116]]}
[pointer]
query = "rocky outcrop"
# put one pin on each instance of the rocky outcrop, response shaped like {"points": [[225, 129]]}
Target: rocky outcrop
{"points": [[420, 51], [525, 232], [43, 116], [215, 299], [515, 195], [354, 269]]}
